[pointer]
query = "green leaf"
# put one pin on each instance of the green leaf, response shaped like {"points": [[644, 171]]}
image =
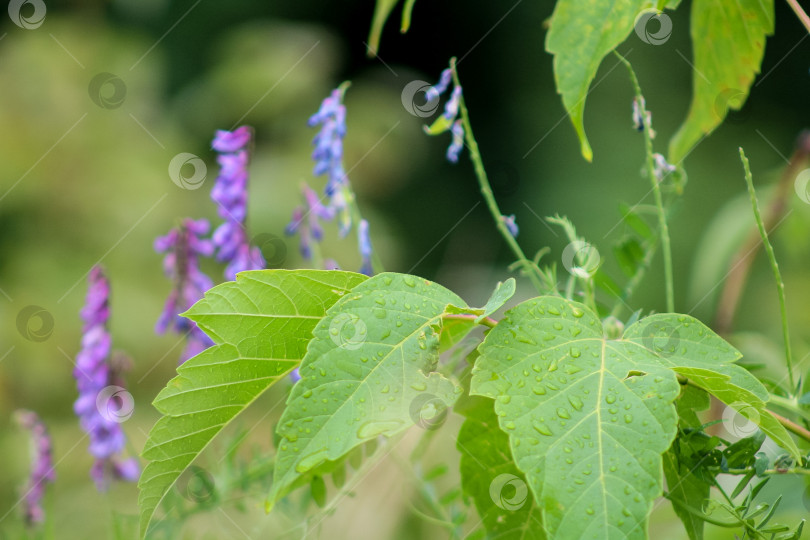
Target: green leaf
{"points": [[691, 400], [439, 126], [368, 371], [687, 489], [629, 254], [585, 413], [502, 293], [491, 478], [582, 33], [689, 348], [728, 41], [407, 10], [630, 215], [261, 325], [382, 10]]}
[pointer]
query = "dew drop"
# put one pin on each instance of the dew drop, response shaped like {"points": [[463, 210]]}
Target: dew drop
{"points": [[541, 428], [373, 429], [311, 460]]}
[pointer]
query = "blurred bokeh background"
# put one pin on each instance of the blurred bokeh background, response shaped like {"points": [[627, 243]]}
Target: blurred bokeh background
{"points": [[82, 184]]}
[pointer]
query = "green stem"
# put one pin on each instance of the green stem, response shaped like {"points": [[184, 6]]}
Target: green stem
{"points": [[486, 190], [792, 426], [486, 321], [636, 279], [780, 285], [701, 515], [656, 187], [790, 404]]}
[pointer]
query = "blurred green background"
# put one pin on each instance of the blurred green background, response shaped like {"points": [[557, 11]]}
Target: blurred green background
{"points": [[81, 184]]}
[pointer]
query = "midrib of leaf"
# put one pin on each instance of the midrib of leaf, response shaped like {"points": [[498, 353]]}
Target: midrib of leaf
{"points": [[315, 443], [358, 384]]}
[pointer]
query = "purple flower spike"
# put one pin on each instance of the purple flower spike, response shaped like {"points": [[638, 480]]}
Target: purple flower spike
{"points": [[183, 247], [230, 194], [42, 471], [328, 156], [103, 403], [457, 144], [328, 153], [440, 88], [231, 141], [451, 108]]}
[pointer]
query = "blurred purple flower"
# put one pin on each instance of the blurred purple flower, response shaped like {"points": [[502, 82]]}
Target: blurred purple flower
{"points": [[328, 156], [661, 168], [183, 247], [449, 116], [641, 116], [457, 144], [93, 375], [451, 107], [42, 471], [295, 375], [364, 241], [511, 225], [230, 194], [441, 87], [328, 153]]}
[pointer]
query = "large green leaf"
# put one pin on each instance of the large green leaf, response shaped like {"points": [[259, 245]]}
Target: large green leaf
{"points": [[261, 325], [369, 371], [582, 33], [728, 41], [491, 478], [586, 414]]}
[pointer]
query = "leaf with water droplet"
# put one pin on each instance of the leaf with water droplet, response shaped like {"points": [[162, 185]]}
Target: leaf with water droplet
{"points": [[260, 324], [621, 399], [404, 371]]}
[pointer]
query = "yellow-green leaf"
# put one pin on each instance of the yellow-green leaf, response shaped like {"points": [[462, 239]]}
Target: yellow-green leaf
{"points": [[728, 41]]}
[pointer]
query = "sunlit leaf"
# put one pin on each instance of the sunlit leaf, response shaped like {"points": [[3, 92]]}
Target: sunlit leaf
{"points": [[585, 414], [368, 371]]}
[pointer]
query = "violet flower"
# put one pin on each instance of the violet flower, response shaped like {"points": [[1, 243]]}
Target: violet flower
{"points": [[183, 247], [511, 225], [444, 81], [42, 470], [661, 168], [364, 241], [334, 204], [457, 144], [449, 119], [641, 116], [94, 376], [230, 194]]}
